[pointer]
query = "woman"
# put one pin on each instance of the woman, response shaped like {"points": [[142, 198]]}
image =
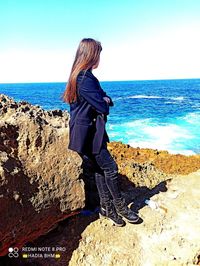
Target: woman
{"points": [[89, 107]]}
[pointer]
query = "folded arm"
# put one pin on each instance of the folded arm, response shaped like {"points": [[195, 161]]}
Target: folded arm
{"points": [[91, 92], [106, 96]]}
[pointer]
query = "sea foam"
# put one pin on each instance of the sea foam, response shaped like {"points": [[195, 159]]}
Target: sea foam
{"points": [[148, 133], [181, 98]]}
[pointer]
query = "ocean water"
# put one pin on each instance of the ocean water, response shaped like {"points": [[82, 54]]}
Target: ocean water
{"points": [[159, 114]]}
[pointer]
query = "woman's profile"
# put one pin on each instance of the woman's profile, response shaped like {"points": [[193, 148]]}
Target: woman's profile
{"points": [[89, 108]]}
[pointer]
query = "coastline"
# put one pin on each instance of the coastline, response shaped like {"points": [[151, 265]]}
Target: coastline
{"points": [[42, 183], [161, 115], [162, 159]]}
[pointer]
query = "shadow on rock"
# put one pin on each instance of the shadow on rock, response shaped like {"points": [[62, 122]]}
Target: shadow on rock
{"points": [[65, 236], [136, 196]]}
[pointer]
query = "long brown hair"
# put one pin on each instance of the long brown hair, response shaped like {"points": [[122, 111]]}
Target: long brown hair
{"points": [[87, 56]]}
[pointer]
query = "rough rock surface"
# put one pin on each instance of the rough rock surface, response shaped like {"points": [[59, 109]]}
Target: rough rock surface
{"points": [[161, 160], [40, 180], [168, 235]]}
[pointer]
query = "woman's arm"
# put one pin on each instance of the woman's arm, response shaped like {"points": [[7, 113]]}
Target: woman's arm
{"points": [[90, 91], [110, 102]]}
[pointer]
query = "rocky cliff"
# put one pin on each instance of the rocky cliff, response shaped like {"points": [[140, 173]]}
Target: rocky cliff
{"points": [[40, 180], [42, 183], [168, 235]]}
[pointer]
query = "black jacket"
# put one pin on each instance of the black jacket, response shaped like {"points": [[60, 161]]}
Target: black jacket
{"points": [[88, 116]]}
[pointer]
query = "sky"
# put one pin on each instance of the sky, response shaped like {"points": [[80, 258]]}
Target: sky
{"points": [[141, 40]]}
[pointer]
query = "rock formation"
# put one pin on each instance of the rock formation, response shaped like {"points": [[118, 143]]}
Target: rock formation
{"points": [[39, 176], [162, 160], [168, 235], [41, 183]]}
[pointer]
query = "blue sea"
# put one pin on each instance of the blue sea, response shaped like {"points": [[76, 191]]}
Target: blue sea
{"points": [[158, 114]]}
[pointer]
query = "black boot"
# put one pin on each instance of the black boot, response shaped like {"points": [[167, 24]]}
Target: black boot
{"points": [[123, 210], [108, 211], [107, 208]]}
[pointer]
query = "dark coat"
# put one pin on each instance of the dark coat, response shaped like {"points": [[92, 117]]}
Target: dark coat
{"points": [[88, 116]]}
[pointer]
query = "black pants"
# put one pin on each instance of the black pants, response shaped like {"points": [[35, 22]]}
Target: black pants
{"points": [[106, 175]]}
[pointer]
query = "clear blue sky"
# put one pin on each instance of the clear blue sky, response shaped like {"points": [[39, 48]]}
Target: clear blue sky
{"points": [[141, 39]]}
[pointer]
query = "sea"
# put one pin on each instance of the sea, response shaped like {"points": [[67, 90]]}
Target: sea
{"points": [[157, 114]]}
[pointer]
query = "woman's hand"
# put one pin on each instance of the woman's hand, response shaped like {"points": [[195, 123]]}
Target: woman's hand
{"points": [[106, 99]]}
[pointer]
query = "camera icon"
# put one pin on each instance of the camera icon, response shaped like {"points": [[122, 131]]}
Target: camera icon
{"points": [[13, 252]]}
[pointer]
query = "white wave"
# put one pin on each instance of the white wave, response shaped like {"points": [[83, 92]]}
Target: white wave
{"points": [[137, 123], [169, 102], [180, 98], [167, 133], [144, 97], [196, 106], [113, 134], [193, 118], [156, 146], [169, 137], [118, 98], [184, 152], [137, 97], [110, 126]]}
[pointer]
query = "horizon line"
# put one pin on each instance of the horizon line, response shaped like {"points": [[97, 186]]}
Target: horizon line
{"points": [[31, 82]]}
